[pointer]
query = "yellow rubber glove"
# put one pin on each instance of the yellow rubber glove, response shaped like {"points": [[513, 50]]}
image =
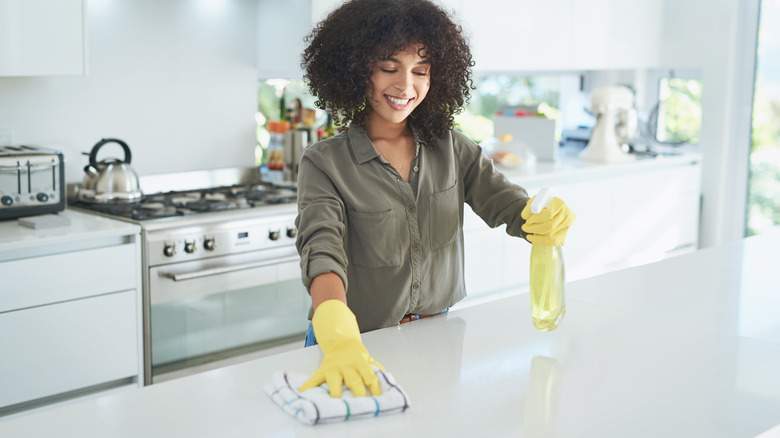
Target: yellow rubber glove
{"points": [[549, 226], [345, 358]]}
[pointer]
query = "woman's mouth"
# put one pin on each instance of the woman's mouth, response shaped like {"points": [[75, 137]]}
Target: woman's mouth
{"points": [[398, 103]]}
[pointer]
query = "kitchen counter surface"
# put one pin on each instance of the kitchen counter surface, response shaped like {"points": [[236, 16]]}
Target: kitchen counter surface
{"points": [[684, 347], [570, 168], [82, 226]]}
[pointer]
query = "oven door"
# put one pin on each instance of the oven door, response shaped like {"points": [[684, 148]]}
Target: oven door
{"points": [[227, 307]]}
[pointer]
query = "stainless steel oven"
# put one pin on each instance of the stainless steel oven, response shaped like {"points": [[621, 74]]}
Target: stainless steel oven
{"points": [[221, 279], [221, 290]]}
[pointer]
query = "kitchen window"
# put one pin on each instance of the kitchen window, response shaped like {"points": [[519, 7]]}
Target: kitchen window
{"points": [[676, 118], [499, 92], [492, 94], [763, 204]]}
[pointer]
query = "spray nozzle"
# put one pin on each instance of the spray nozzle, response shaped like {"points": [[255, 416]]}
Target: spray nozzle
{"points": [[542, 198]]}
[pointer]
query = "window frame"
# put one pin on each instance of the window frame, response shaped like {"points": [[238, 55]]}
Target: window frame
{"points": [[653, 81]]}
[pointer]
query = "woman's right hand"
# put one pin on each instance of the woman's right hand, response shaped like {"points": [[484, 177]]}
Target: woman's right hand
{"points": [[345, 359]]}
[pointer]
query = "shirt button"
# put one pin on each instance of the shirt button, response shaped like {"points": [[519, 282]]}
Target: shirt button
{"points": [[415, 247], [411, 209], [416, 285]]}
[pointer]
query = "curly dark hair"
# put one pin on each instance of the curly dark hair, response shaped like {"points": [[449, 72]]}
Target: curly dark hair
{"points": [[344, 46]]}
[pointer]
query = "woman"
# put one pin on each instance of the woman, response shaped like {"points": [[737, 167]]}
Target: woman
{"points": [[380, 206]]}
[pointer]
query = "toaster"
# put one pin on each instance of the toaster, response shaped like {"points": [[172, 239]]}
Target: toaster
{"points": [[32, 181]]}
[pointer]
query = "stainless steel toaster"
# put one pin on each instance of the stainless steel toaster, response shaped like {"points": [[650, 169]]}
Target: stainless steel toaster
{"points": [[32, 181]]}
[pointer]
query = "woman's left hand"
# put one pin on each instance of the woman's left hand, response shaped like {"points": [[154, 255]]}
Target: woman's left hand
{"points": [[549, 226]]}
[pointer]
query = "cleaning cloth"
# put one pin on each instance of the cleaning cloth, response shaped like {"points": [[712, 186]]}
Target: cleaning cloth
{"points": [[315, 405]]}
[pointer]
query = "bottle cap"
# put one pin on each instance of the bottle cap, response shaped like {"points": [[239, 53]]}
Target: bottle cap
{"points": [[542, 198]]}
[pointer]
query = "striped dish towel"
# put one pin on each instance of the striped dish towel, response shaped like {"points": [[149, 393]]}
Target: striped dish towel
{"points": [[315, 405]]}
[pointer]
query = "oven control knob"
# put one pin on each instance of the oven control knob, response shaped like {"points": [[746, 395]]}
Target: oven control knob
{"points": [[169, 250], [292, 232], [189, 247], [7, 200], [209, 244], [273, 235], [42, 197]]}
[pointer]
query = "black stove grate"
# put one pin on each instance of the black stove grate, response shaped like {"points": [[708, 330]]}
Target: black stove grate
{"points": [[186, 203]]}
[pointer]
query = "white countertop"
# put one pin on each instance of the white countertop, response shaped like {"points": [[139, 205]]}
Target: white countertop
{"points": [[82, 226], [687, 347], [570, 168]]}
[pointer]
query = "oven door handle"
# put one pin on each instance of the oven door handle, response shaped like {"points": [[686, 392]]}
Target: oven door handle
{"points": [[227, 269]]}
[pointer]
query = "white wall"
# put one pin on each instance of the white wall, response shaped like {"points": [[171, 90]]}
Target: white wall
{"points": [[175, 79], [718, 37]]}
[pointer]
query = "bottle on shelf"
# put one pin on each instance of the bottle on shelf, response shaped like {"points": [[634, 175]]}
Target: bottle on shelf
{"points": [[276, 128], [283, 105]]}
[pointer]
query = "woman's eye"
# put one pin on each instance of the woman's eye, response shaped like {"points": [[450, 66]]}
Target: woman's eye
{"points": [[421, 73], [387, 70]]}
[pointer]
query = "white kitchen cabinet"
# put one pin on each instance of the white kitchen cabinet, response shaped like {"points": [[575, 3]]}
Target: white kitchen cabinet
{"points": [[57, 348], [70, 310], [483, 273], [42, 37], [517, 35], [615, 34], [68, 276], [628, 214], [527, 35], [321, 8], [505, 35]]}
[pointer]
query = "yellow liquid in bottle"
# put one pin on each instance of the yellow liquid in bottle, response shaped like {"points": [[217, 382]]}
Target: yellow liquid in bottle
{"points": [[548, 303]]}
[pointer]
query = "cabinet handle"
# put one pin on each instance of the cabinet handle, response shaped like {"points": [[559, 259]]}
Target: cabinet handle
{"points": [[228, 269]]}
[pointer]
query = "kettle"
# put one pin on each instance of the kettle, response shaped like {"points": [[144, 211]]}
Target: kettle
{"points": [[110, 180]]}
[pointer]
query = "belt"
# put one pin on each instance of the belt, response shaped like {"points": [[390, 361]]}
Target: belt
{"points": [[414, 317]]}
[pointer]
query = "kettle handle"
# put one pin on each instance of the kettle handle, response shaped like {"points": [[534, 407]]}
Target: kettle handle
{"points": [[93, 154]]}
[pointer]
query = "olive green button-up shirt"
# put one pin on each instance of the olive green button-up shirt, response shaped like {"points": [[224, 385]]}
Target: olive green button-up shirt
{"points": [[397, 245]]}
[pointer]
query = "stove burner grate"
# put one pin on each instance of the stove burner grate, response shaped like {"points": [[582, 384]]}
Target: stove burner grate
{"points": [[191, 202], [260, 195], [201, 205]]}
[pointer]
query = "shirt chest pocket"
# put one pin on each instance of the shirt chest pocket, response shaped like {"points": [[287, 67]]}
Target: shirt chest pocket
{"points": [[375, 239], [444, 217]]}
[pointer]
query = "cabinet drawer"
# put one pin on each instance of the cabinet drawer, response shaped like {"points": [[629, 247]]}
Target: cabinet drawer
{"points": [[62, 277], [52, 349]]}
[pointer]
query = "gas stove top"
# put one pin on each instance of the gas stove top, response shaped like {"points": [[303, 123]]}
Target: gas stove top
{"points": [[181, 200]]}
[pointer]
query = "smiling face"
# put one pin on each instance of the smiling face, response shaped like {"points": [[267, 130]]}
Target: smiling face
{"points": [[399, 85]]}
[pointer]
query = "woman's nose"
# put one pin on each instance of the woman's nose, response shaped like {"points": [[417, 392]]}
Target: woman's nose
{"points": [[404, 81]]}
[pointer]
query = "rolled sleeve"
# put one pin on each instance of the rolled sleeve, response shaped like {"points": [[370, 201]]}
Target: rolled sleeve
{"points": [[321, 224], [489, 193]]}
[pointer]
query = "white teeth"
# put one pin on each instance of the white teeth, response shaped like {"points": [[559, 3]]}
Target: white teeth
{"points": [[398, 101]]}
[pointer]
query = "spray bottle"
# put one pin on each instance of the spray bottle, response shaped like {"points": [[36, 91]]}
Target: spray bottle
{"points": [[548, 303]]}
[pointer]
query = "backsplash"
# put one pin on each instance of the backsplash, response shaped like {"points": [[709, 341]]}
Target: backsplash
{"points": [[176, 80]]}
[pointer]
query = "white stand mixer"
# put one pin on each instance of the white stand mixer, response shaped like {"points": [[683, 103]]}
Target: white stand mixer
{"points": [[615, 123]]}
